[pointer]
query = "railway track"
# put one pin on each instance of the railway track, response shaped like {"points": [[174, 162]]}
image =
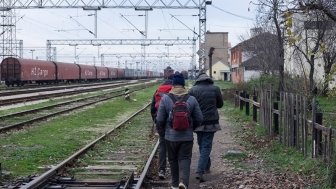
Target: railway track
{"points": [[57, 93], [22, 119], [25, 90], [118, 159], [34, 89]]}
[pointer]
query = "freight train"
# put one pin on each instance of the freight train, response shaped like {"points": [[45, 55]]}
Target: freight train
{"points": [[16, 71]]}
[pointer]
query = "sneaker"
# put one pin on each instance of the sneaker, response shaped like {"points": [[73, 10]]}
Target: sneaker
{"points": [[182, 186], [162, 174], [200, 178]]}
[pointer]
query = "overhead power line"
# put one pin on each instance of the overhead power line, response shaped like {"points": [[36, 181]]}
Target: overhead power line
{"points": [[233, 14], [185, 25], [141, 32], [79, 24]]}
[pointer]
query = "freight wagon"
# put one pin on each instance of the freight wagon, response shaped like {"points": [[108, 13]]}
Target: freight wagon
{"points": [[16, 71]]}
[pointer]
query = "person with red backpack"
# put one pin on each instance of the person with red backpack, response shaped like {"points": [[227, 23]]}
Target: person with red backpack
{"points": [[177, 117], [164, 88]]}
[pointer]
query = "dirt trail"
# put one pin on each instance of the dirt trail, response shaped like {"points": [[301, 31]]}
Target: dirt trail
{"points": [[251, 174]]}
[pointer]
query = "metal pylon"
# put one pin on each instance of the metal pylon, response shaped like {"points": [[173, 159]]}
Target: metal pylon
{"points": [[9, 45]]}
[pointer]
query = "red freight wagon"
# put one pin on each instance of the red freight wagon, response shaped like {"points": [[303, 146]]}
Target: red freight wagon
{"points": [[67, 72], [102, 72], [20, 71], [113, 73], [87, 72], [121, 73]]}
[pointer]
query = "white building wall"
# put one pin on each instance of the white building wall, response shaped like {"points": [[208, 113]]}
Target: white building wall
{"points": [[296, 65], [251, 74]]}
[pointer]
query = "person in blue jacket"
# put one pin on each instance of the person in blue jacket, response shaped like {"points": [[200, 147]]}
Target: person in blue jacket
{"points": [[179, 143]]}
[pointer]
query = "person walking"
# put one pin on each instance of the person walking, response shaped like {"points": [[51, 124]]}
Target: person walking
{"points": [[164, 88], [179, 137], [209, 98]]}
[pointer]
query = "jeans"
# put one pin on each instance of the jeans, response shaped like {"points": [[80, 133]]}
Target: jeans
{"points": [[162, 153], [179, 157], [204, 140]]}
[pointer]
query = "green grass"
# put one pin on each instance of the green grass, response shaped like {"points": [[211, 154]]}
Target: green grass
{"points": [[327, 104], [328, 107], [50, 142], [224, 84]]}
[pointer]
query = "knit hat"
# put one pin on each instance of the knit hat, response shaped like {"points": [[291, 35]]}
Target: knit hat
{"points": [[178, 79]]}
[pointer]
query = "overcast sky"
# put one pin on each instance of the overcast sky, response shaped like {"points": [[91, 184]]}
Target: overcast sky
{"points": [[35, 26]]}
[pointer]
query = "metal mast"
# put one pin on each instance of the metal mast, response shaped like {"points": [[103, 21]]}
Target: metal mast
{"points": [[9, 45]]}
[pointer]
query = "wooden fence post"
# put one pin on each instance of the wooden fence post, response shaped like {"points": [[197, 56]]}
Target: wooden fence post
{"points": [[319, 117], [276, 118], [255, 111], [241, 102], [247, 104], [237, 98]]}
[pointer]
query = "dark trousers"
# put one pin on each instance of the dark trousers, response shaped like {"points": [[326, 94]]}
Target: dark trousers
{"points": [[179, 157], [204, 140], [162, 153]]}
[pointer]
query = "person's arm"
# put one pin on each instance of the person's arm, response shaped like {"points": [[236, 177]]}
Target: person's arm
{"points": [[161, 116], [153, 109], [219, 98], [197, 115]]}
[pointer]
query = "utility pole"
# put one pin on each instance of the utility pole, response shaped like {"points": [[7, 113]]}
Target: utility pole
{"points": [[210, 61], [32, 52], [75, 52]]}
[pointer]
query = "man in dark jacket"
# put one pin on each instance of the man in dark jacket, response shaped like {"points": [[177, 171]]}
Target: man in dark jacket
{"points": [[179, 143], [164, 88], [209, 98]]}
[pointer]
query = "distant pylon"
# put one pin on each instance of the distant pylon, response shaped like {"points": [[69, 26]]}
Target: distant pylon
{"points": [[9, 46]]}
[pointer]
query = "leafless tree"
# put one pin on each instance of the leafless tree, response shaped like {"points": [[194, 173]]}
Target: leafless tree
{"points": [[313, 29], [269, 16], [327, 7], [329, 57]]}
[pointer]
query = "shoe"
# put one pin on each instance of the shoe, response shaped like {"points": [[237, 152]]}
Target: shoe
{"points": [[162, 174], [172, 187], [182, 186], [200, 178]]}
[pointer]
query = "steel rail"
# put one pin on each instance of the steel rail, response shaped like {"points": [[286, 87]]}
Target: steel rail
{"points": [[144, 172], [42, 179], [23, 123], [48, 107], [61, 93], [49, 88]]}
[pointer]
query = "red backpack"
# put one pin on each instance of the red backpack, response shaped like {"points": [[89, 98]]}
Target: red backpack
{"points": [[180, 116], [163, 89]]}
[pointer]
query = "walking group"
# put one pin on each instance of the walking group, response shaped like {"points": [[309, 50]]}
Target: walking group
{"points": [[178, 113]]}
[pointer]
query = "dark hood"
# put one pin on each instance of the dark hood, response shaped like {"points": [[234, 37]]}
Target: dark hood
{"points": [[203, 78]]}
